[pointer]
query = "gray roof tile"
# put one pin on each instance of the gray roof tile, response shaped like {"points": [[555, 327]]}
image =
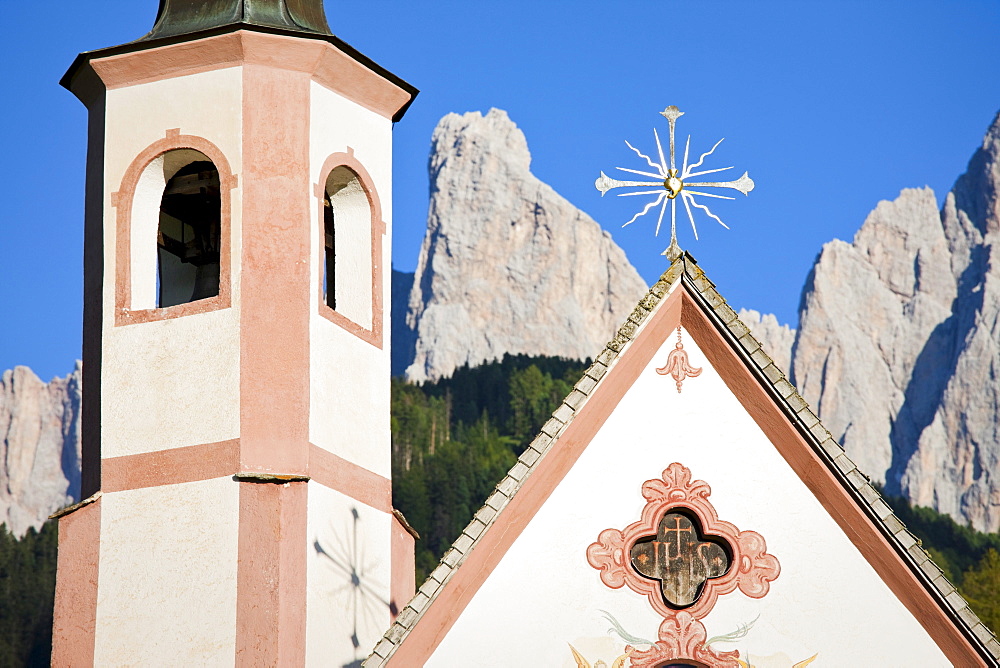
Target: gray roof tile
{"points": [[773, 373], [529, 456]]}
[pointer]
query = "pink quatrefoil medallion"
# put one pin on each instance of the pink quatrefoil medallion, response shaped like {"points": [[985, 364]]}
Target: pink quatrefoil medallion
{"points": [[682, 557]]}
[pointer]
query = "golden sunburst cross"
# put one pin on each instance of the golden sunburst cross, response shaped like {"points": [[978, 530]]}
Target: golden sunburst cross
{"points": [[672, 182]]}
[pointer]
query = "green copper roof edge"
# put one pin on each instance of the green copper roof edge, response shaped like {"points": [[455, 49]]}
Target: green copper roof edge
{"points": [[176, 17], [143, 44]]}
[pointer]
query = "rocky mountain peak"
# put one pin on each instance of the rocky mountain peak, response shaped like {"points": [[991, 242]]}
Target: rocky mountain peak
{"points": [[867, 309], [491, 144], [976, 191], [39, 446], [904, 243], [507, 264], [898, 346]]}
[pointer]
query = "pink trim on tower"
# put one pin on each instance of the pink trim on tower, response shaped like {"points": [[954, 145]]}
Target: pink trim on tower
{"points": [[74, 622], [274, 272], [171, 467], [321, 61], [123, 201], [403, 578], [348, 478], [372, 335], [271, 574]]}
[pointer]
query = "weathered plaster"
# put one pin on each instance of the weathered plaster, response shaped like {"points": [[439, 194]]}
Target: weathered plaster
{"points": [[162, 600]]}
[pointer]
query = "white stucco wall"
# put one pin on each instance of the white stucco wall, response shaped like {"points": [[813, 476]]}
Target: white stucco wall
{"points": [[543, 594], [338, 545], [170, 383], [168, 559], [349, 401]]}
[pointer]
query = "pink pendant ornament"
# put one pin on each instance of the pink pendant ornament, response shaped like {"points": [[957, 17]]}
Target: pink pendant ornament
{"points": [[677, 364]]}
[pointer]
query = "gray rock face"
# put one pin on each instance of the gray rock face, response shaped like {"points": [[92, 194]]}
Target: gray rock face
{"points": [[507, 264], [867, 310], [898, 345], [776, 339], [39, 446], [947, 445]]}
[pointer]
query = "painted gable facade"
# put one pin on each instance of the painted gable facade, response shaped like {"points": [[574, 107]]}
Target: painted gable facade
{"points": [[685, 507]]}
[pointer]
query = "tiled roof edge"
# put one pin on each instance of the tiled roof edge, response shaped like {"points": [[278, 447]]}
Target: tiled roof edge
{"points": [[523, 468], [805, 419]]}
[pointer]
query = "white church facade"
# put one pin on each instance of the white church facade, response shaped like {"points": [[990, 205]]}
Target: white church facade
{"points": [[683, 506]]}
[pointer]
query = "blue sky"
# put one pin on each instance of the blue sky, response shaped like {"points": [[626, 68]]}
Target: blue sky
{"points": [[831, 107]]}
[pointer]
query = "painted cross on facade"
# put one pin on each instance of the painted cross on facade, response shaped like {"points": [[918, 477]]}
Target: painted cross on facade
{"points": [[679, 558]]}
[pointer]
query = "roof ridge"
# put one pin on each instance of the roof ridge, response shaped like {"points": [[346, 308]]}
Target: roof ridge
{"points": [[685, 268]]}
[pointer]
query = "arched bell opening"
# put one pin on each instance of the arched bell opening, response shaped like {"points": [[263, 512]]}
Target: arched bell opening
{"points": [[189, 231], [347, 246], [172, 231]]}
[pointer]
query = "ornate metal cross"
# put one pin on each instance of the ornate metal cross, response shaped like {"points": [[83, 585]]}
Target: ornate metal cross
{"points": [[672, 182]]}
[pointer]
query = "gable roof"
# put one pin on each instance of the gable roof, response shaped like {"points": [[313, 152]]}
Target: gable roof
{"points": [[775, 404]]}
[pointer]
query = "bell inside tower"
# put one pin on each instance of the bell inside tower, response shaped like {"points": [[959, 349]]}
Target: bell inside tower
{"points": [[188, 238]]}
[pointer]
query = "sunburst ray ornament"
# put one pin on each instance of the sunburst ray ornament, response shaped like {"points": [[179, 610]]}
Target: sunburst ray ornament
{"points": [[672, 182]]}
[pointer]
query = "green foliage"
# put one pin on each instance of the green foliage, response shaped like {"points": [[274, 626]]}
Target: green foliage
{"points": [[955, 548], [981, 588], [969, 558], [453, 440], [533, 396], [27, 591]]}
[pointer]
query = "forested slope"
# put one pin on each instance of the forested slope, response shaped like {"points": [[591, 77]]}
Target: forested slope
{"points": [[455, 438]]}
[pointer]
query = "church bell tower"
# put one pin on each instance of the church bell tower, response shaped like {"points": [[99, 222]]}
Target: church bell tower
{"points": [[236, 472]]}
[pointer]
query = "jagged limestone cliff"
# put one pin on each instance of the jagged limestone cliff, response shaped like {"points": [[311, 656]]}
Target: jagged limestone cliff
{"points": [[39, 446], [867, 310], [507, 264], [899, 343]]}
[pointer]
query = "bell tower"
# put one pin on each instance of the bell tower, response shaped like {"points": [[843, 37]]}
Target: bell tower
{"points": [[236, 472]]}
